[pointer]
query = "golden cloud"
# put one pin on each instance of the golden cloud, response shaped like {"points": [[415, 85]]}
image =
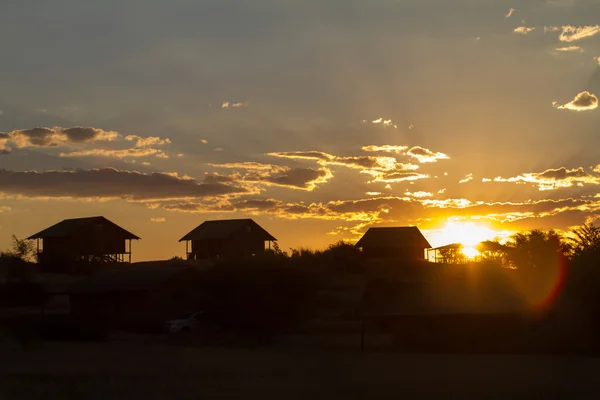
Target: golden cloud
{"points": [[569, 33], [424, 155], [125, 153], [553, 179], [569, 49], [584, 101], [147, 141], [467, 178], [410, 210], [158, 219], [523, 30], [227, 104]]}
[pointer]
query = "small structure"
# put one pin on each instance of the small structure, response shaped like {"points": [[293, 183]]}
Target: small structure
{"points": [[449, 254], [84, 239], [232, 238], [406, 242]]}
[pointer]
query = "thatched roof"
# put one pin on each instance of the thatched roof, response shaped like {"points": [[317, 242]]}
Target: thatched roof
{"points": [[405, 236], [223, 229], [71, 227]]}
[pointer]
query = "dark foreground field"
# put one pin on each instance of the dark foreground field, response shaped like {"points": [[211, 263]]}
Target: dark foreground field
{"points": [[118, 370]]}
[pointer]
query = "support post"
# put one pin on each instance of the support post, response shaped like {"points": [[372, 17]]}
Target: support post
{"points": [[362, 334]]}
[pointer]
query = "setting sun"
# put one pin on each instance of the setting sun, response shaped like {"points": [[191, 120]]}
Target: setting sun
{"points": [[470, 252], [469, 234]]}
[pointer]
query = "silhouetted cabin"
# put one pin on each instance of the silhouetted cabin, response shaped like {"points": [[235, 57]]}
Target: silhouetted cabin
{"points": [[406, 242], [233, 238], [84, 239], [134, 296]]}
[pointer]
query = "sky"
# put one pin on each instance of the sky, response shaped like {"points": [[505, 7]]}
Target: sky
{"points": [[471, 119]]}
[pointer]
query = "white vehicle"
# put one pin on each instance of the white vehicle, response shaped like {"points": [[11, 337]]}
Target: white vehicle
{"points": [[186, 323]]}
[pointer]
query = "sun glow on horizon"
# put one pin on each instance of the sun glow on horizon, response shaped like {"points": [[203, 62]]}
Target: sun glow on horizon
{"points": [[470, 252], [469, 234]]}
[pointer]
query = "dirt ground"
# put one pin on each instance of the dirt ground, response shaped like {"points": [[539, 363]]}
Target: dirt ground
{"points": [[125, 370]]}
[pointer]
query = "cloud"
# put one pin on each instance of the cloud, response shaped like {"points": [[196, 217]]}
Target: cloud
{"points": [[356, 162], [227, 104], [387, 148], [203, 141], [384, 122], [552, 29], [598, 59], [44, 137], [147, 141], [52, 137], [423, 211], [269, 174], [4, 149], [584, 101], [510, 12], [419, 194], [108, 183], [158, 219], [381, 169], [570, 33], [523, 30], [394, 177], [569, 48], [467, 178], [553, 179], [125, 153], [424, 155]]}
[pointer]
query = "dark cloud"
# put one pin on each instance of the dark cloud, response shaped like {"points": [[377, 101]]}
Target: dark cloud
{"points": [[269, 174], [81, 134], [302, 178], [217, 178], [108, 183], [563, 173], [52, 137]]}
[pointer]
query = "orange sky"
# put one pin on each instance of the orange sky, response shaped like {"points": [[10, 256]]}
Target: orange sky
{"points": [[316, 119]]}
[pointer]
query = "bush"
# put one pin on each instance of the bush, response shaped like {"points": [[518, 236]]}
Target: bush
{"points": [[258, 298], [21, 294]]}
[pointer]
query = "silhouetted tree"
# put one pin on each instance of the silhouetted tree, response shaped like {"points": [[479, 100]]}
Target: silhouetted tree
{"points": [[303, 252], [276, 251], [492, 250], [344, 257], [22, 249], [453, 254], [536, 250], [585, 240]]}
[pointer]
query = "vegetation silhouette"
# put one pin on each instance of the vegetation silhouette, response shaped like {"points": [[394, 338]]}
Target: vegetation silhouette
{"points": [[277, 292]]}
